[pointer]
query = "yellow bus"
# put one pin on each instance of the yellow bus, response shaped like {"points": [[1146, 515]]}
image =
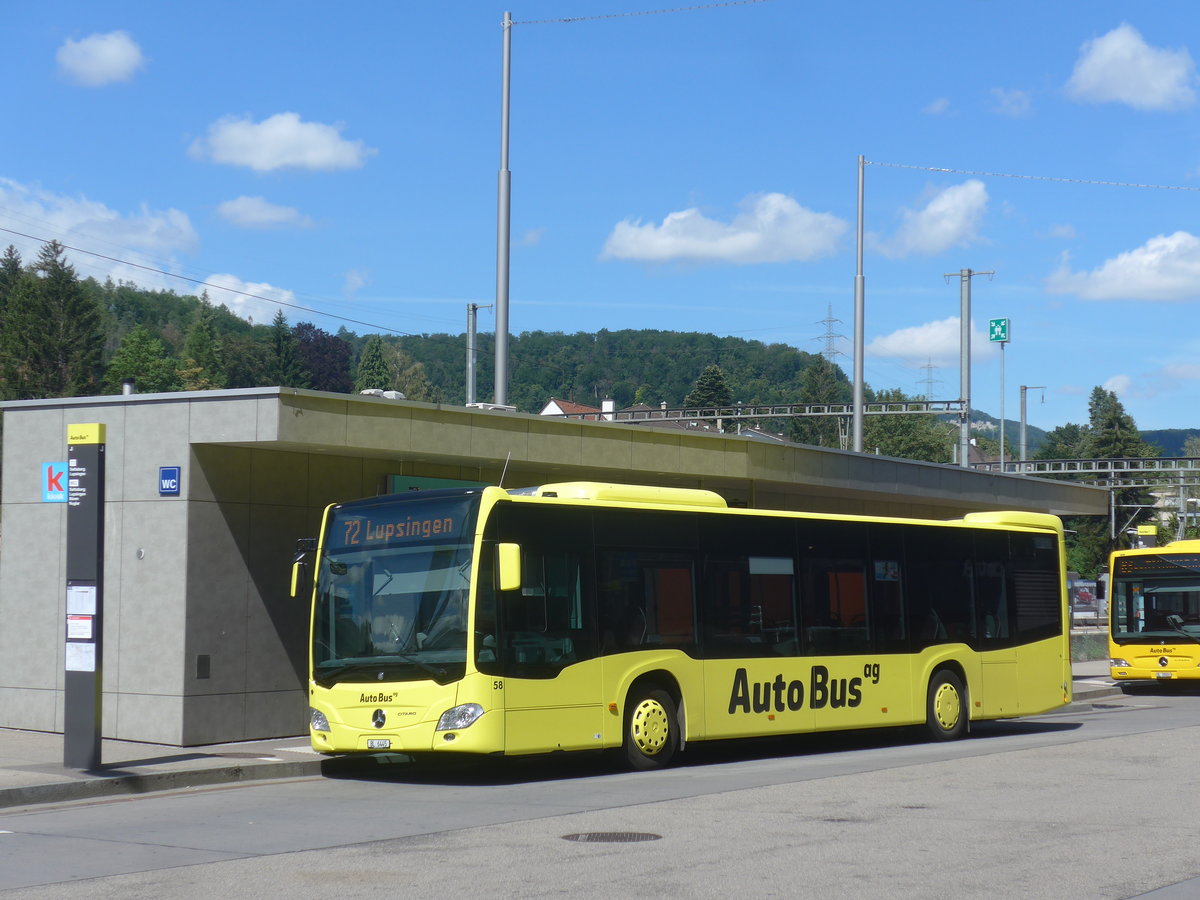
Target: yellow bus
{"points": [[639, 619], [1154, 613]]}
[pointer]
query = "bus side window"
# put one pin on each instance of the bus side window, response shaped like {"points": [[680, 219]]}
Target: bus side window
{"points": [[991, 589], [939, 584], [834, 610], [646, 599]]}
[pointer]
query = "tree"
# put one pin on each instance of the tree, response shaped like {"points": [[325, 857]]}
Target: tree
{"points": [[52, 334], [907, 435], [410, 377], [11, 271], [144, 359], [822, 382], [203, 367], [710, 390], [1064, 442], [286, 368], [374, 370], [1112, 432], [11, 355], [325, 356]]}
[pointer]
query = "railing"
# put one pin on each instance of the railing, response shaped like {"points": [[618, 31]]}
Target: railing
{"points": [[768, 411], [1114, 467]]}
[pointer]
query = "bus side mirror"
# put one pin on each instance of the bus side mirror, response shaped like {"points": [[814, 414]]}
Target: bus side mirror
{"points": [[304, 546], [508, 566]]}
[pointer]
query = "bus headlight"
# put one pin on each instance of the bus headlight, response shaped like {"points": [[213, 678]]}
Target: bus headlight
{"points": [[1118, 663], [317, 720], [459, 717]]}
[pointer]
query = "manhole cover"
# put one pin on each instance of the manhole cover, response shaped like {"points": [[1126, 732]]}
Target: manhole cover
{"points": [[612, 837]]}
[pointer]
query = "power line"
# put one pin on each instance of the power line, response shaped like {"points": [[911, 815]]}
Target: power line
{"points": [[1156, 187], [644, 12], [218, 287]]}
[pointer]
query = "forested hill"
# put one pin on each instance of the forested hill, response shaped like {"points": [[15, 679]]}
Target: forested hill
{"points": [[65, 336], [629, 366]]}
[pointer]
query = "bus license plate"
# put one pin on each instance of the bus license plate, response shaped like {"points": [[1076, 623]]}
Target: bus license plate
{"points": [[379, 743]]}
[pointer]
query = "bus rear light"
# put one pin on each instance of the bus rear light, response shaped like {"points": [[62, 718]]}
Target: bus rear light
{"points": [[459, 717], [317, 720]]}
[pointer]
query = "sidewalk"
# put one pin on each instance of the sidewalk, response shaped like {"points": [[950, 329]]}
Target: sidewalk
{"points": [[31, 762], [32, 771]]}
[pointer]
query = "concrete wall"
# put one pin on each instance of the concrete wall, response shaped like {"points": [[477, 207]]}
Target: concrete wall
{"points": [[202, 643]]}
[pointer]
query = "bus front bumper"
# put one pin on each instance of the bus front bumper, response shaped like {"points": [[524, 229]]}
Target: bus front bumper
{"points": [[484, 735]]}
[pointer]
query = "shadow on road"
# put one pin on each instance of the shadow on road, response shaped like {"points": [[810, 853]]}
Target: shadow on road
{"points": [[494, 771]]}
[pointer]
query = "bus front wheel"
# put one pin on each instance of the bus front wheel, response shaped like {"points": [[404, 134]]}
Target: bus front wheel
{"points": [[946, 710], [651, 729]]}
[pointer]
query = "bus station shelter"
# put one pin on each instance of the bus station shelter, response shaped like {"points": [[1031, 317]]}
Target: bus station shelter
{"points": [[206, 494]]}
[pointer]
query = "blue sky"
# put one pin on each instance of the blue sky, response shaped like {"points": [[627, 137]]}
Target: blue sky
{"points": [[691, 171]]}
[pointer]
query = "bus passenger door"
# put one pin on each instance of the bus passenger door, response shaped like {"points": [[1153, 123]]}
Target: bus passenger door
{"points": [[552, 688]]}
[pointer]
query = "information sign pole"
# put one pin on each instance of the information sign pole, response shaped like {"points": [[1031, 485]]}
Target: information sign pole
{"points": [[83, 647], [998, 334]]}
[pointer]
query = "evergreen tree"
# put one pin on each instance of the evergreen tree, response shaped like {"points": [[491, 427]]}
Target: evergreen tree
{"points": [[374, 370], [1112, 432], [821, 382], [144, 359], [203, 366], [11, 276], [11, 271], [53, 337], [710, 390], [286, 368]]}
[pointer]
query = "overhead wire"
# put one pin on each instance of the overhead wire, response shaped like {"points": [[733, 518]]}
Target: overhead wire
{"points": [[204, 283], [642, 12], [1060, 179]]}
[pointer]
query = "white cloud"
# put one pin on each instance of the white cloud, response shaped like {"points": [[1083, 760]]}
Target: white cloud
{"points": [[100, 59], [257, 212], [1063, 232], [1182, 371], [1118, 384], [250, 300], [1166, 267], [950, 219], [279, 142], [1121, 67], [939, 107], [1012, 103], [531, 238], [770, 228], [353, 282], [936, 342], [79, 222]]}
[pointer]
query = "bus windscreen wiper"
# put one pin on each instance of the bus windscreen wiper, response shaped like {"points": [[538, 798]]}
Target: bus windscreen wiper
{"points": [[1176, 622]]}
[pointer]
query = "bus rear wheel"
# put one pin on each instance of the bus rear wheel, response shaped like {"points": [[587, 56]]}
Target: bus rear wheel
{"points": [[946, 709], [651, 729]]}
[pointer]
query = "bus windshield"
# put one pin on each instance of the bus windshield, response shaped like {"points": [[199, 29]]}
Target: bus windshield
{"points": [[392, 590], [1156, 598]]}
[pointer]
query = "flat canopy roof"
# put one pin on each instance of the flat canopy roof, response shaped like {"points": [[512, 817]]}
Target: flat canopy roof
{"points": [[519, 449]]}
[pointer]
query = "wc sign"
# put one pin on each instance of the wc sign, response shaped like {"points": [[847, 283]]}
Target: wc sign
{"points": [[168, 481]]}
